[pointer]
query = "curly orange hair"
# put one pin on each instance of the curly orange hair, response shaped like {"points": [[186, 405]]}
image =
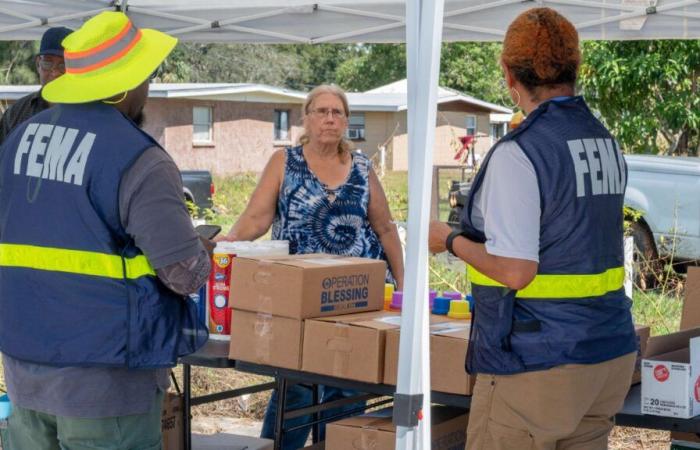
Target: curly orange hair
{"points": [[541, 48]]}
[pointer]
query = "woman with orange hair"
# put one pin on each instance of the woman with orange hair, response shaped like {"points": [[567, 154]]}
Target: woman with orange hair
{"points": [[552, 339]]}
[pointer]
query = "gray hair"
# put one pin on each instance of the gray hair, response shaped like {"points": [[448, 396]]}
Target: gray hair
{"points": [[343, 146]]}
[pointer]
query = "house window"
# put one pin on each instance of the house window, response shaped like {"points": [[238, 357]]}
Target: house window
{"points": [[498, 130], [201, 124], [470, 123], [281, 125], [356, 127]]}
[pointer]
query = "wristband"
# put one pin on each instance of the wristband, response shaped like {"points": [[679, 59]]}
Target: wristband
{"points": [[450, 238]]}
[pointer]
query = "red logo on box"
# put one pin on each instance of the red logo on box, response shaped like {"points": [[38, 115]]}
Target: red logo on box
{"points": [[661, 373], [697, 389]]}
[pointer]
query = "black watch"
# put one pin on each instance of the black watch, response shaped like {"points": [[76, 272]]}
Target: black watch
{"points": [[450, 239]]}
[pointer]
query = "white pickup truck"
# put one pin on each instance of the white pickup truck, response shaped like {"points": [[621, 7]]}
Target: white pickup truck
{"points": [[666, 191]]}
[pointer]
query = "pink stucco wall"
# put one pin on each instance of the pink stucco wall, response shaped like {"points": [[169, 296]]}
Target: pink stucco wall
{"points": [[243, 133]]}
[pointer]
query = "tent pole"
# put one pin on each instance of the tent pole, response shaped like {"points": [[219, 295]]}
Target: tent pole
{"points": [[423, 40]]}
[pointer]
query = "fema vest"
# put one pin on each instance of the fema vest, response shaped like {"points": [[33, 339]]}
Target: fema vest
{"points": [[575, 310], [74, 289]]}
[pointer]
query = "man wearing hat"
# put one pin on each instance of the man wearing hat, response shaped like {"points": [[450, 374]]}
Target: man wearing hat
{"points": [[49, 66], [97, 252]]}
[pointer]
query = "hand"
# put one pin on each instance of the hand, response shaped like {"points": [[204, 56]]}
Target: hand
{"points": [[208, 245], [224, 237], [437, 236]]}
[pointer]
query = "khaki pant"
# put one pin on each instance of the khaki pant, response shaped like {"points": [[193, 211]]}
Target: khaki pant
{"points": [[569, 407]]}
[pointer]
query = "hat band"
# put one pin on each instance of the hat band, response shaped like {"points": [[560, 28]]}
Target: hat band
{"points": [[105, 53]]}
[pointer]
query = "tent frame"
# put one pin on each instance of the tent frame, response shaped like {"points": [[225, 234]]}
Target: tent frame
{"points": [[424, 22]]}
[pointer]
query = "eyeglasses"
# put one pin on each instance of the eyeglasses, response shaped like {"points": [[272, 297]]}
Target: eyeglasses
{"points": [[51, 66], [322, 113]]}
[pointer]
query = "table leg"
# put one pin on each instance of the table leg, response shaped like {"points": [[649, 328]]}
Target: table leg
{"points": [[187, 399], [316, 430], [281, 407]]}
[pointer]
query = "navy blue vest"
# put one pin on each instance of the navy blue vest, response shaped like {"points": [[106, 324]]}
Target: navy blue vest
{"points": [[575, 311], [74, 289]]}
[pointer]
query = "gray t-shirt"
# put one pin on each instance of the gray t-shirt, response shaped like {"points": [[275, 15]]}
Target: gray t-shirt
{"points": [[152, 211], [507, 205]]}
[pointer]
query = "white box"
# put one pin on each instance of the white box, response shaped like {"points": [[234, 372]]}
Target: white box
{"points": [[671, 383]]}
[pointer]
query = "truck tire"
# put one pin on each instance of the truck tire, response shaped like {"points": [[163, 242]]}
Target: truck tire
{"points": [[647, 266]]}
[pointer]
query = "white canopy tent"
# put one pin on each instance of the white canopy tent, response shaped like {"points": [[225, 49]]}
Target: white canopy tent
{"points": [[305, 21], [421, 24]]}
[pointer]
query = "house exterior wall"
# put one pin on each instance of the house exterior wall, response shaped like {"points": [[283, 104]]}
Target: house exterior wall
{"points": [[451, 125], [242, 133], [379, 128]]}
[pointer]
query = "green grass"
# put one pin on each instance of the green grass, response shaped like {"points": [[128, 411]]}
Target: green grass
{"points": [[659, 310]]}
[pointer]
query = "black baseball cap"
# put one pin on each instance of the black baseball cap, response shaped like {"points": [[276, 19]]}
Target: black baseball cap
{"points": [[51, 41]]}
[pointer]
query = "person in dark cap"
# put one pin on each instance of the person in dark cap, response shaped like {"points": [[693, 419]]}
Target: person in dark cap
{"points": [[49, 65]]}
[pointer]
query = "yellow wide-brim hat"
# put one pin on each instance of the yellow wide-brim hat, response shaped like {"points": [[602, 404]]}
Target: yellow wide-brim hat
{"points": [[107, 56]]}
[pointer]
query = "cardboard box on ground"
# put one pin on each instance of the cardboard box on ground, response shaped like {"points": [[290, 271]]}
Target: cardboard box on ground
{"points": [[375, 431], [271, 297], [643, 332], [671, 364], [226, 441], [319, 446], [171, 422]]}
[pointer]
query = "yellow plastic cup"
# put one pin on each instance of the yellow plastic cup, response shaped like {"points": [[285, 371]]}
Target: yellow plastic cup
{"points": [[388, 293], [459, 309]]}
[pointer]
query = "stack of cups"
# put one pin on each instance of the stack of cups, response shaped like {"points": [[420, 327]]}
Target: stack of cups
{"points": [[396, 301], [459, 309], [441, 306], [388, 293], [431, 297], [452, 295], [470, 299]]}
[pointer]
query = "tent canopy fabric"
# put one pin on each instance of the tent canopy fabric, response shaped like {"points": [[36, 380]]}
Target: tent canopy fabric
{"points": [[420, 23], [300, 21]]}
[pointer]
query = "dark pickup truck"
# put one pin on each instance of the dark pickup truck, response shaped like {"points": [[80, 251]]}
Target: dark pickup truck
{"points": [[198, 188]]}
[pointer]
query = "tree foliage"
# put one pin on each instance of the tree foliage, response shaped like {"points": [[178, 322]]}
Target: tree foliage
{"points": [[372, 66], [473, 68], [647, 93], [228, 63], [17, 62]]}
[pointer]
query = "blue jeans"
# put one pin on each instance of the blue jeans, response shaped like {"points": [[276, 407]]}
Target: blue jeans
{"points": [[300, 396]]}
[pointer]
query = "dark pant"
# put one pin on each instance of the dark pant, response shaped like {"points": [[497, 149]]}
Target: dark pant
{"points": [[300, 396], [33, 430]]}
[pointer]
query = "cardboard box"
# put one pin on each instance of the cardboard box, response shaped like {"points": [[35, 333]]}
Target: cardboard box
{"points": [[319, 446], [376, 431], [265, 339], [304, 286], [690, 317], [228, 441], [690, 440], [671, 379], [349, 346], [448, 352], [670, 368], [171, 422], [643, 332]]}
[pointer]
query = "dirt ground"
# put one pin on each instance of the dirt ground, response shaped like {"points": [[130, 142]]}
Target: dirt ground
{"points": [[243, 415]]}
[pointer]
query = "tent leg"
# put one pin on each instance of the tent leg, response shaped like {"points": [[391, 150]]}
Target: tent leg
{"points": [[423, 38]]}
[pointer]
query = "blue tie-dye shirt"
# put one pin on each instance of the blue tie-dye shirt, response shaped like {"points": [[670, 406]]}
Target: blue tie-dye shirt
{"points": [[315, 219]]}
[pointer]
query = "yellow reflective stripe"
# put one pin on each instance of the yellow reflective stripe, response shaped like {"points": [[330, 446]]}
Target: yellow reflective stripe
{"points": [[73, 261], [561, 286]]}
